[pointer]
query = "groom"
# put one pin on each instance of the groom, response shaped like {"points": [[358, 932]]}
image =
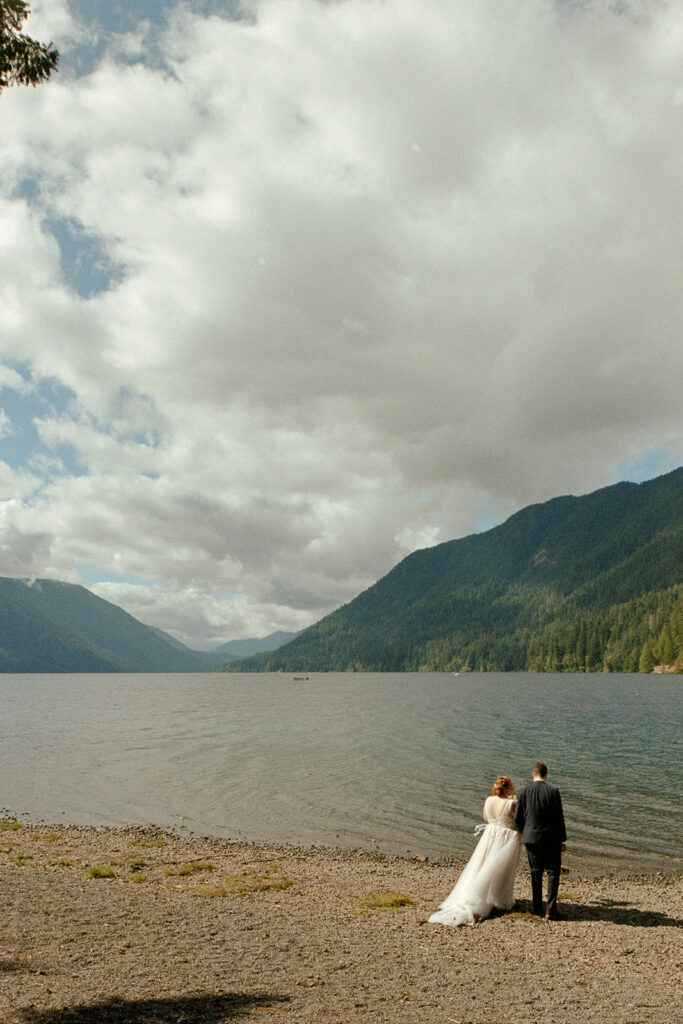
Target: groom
{"points": [[540, 819]]}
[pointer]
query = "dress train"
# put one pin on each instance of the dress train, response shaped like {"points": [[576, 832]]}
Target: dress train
{"points": [[489, 876]]}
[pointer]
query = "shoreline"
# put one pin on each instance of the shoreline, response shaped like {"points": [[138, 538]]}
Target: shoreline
{"points": [[591, 873], [135, 924], [575, 863]]}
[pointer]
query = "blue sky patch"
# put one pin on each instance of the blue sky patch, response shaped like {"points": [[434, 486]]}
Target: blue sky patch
{"points": [[108, 18], [125, 15], [85, 263], [18, 447], [647, 467]]}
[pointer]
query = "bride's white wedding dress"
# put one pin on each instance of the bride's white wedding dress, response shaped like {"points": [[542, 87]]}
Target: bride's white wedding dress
{"points": [[489, 877]]}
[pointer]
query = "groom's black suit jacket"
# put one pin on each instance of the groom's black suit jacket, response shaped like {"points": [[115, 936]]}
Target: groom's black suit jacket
{"points": [[539, 816]]}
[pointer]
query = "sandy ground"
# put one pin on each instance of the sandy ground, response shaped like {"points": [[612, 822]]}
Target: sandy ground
{"points": [[166, 939]]}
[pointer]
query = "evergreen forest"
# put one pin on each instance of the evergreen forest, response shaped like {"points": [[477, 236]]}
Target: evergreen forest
{"points": [[576, 584]]}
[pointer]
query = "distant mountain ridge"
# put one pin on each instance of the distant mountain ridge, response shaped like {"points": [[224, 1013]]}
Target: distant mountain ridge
{"points": [[236, 649], [584, 583], [51, 626]]}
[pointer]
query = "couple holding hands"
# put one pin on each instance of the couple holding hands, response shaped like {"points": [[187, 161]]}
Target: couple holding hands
{"points": [[535, 819]]}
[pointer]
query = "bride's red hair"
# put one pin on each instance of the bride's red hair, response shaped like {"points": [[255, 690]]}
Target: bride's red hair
{"points": [[502, 786]]}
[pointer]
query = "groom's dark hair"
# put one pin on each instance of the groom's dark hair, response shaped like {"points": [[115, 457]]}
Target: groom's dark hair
{"points": [[540, 769]]}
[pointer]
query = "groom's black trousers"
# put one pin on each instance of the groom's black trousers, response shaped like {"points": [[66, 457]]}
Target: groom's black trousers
{"points": [[544, 857]]}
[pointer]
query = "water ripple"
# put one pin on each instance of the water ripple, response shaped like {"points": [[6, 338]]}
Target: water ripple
{"points": [[395, 762]]}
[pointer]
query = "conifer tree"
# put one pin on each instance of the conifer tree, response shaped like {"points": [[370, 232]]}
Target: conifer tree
{"points": [[647, 658], [665, 646]]}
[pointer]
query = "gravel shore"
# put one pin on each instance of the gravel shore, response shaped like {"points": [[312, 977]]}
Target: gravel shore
{"points": [[134, 926]]}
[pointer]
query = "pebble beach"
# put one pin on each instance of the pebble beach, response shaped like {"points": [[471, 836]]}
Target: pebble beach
{"points": [[134, 926]]}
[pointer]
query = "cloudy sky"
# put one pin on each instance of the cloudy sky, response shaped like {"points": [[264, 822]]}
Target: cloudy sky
{"points": [[290, 288]]}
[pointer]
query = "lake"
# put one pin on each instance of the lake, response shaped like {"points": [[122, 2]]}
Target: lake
{"points": [[395, 762]]}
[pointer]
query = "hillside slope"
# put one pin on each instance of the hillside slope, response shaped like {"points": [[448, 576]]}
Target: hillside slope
{"points": [[576, 583], [50, 626]]}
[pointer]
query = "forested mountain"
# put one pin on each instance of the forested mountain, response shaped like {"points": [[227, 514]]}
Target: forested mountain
{"points": [[49, 626], [585, 583]]}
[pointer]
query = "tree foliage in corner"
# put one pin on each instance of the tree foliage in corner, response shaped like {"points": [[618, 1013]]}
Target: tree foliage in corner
{"points": [[23, 61]]}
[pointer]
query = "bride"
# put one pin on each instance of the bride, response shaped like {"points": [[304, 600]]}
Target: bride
{"points": [[489, 877]]}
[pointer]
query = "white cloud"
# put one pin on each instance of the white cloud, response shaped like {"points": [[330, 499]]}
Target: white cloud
{"points": [[388, 267], [51, 20], [14, 381]]}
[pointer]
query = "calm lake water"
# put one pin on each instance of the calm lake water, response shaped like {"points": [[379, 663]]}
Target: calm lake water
{"points": [[395, 762]]}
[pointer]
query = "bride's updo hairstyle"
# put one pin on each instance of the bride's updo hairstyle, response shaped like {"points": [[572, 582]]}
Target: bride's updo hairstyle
{"points": [[502, 786]]}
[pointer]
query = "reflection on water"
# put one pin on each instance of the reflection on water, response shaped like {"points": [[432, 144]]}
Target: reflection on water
{"points": [[397, 762]]}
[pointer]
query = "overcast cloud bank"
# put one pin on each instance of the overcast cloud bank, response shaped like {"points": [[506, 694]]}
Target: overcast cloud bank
{"points": [[286, 296]]}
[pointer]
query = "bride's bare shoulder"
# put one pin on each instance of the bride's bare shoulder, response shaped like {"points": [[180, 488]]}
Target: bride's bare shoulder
{"points": [[493, 805], [496, 801]]}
